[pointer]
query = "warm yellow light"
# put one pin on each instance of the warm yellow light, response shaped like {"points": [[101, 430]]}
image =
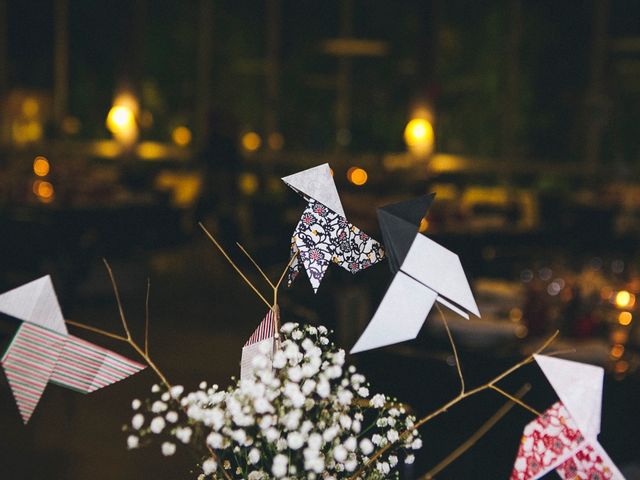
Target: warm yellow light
{"points": [[625, 318], [248, 183], [275, 141], [357, 176], [515, 314], [251, 141], [621, 366], [44, 190], [181, 136], [617, 351], [41, 166], [70, 125], [424, 225], [625, 299], [30, 107], [152, 150], [419, 136], [121, 120]]}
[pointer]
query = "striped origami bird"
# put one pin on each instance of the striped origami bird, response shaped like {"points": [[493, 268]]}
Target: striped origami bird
{"points": [[42, 350], [260, 343]]}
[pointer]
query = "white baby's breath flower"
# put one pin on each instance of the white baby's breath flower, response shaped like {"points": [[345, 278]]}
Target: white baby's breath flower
{"points": [[279, 359], [137, 421], [184, 434], [383, 467], [214, 440], [288, 327], [279, 467], [135, 404], [209, 466], [363, 392], [340, 453], [158, 406], [176, 391], [155, 388], [203, 385], [409, 459], [366, 446], [377, 401], [392, 435], [132, 442], [172, 417], [168, 449], [350, 444], [295, 440], [254, 456], [323, 388], [157, 425], [417, 444]]}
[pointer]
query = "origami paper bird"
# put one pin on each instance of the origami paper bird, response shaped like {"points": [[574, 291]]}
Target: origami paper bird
{"points": [[42, 350], [564, 438], [260, 342], [323, 234], [425, 272]]}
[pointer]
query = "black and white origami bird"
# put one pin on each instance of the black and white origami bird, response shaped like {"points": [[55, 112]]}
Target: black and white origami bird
{"points": [[425, 272], [323, 234], [42, 351]]}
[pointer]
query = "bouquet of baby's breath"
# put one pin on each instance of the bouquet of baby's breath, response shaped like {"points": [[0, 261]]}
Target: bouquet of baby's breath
{"points": [[303, 415]]}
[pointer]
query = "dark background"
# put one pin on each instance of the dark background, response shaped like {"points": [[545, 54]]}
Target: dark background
{"points": [[535, 164]]}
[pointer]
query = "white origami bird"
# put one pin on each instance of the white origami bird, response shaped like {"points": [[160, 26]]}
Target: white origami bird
{"points": [[565, 437], [323, 234], [42, 350], [425, 272]]}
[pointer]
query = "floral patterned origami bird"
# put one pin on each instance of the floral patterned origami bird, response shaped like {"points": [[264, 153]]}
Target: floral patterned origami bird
{"points": [[564, 437], [42, 350], [323, 234]]}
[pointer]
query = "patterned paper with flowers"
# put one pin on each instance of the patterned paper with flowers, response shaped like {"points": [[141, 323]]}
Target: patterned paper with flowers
{"points": [[322, 236], [546, 442]]}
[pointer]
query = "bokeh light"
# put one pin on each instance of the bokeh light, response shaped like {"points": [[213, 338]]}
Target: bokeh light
{"points": [[358, 176]]}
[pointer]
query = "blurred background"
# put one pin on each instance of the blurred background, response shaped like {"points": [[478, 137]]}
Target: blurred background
{"points": [[123, 124]]}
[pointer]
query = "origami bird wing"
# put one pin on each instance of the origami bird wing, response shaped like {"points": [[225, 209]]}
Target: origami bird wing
{"points": [[85, 367], [355, 250], [591, 462], [260, 341], [317, 184], [399, 316], [547, 442], [29, 363], [35, 302], [440, 270], [314, 241], [579, 387], [399, 223]]}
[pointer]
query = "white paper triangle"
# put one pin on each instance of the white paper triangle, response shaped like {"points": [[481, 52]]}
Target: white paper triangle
{"points": [[399, 316], [35, 302], [317, 183], [440, 270], [579, 387]]}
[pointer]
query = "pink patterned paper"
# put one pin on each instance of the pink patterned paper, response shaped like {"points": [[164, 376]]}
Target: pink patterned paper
{"points": [[546, 443], [587, 464]]}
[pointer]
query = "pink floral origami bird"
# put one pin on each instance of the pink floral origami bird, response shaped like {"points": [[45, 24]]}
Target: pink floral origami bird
{"points": [[564, 437]]}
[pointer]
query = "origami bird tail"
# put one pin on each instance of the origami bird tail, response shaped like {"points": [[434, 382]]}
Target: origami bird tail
{"points": [[29, 363]]}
